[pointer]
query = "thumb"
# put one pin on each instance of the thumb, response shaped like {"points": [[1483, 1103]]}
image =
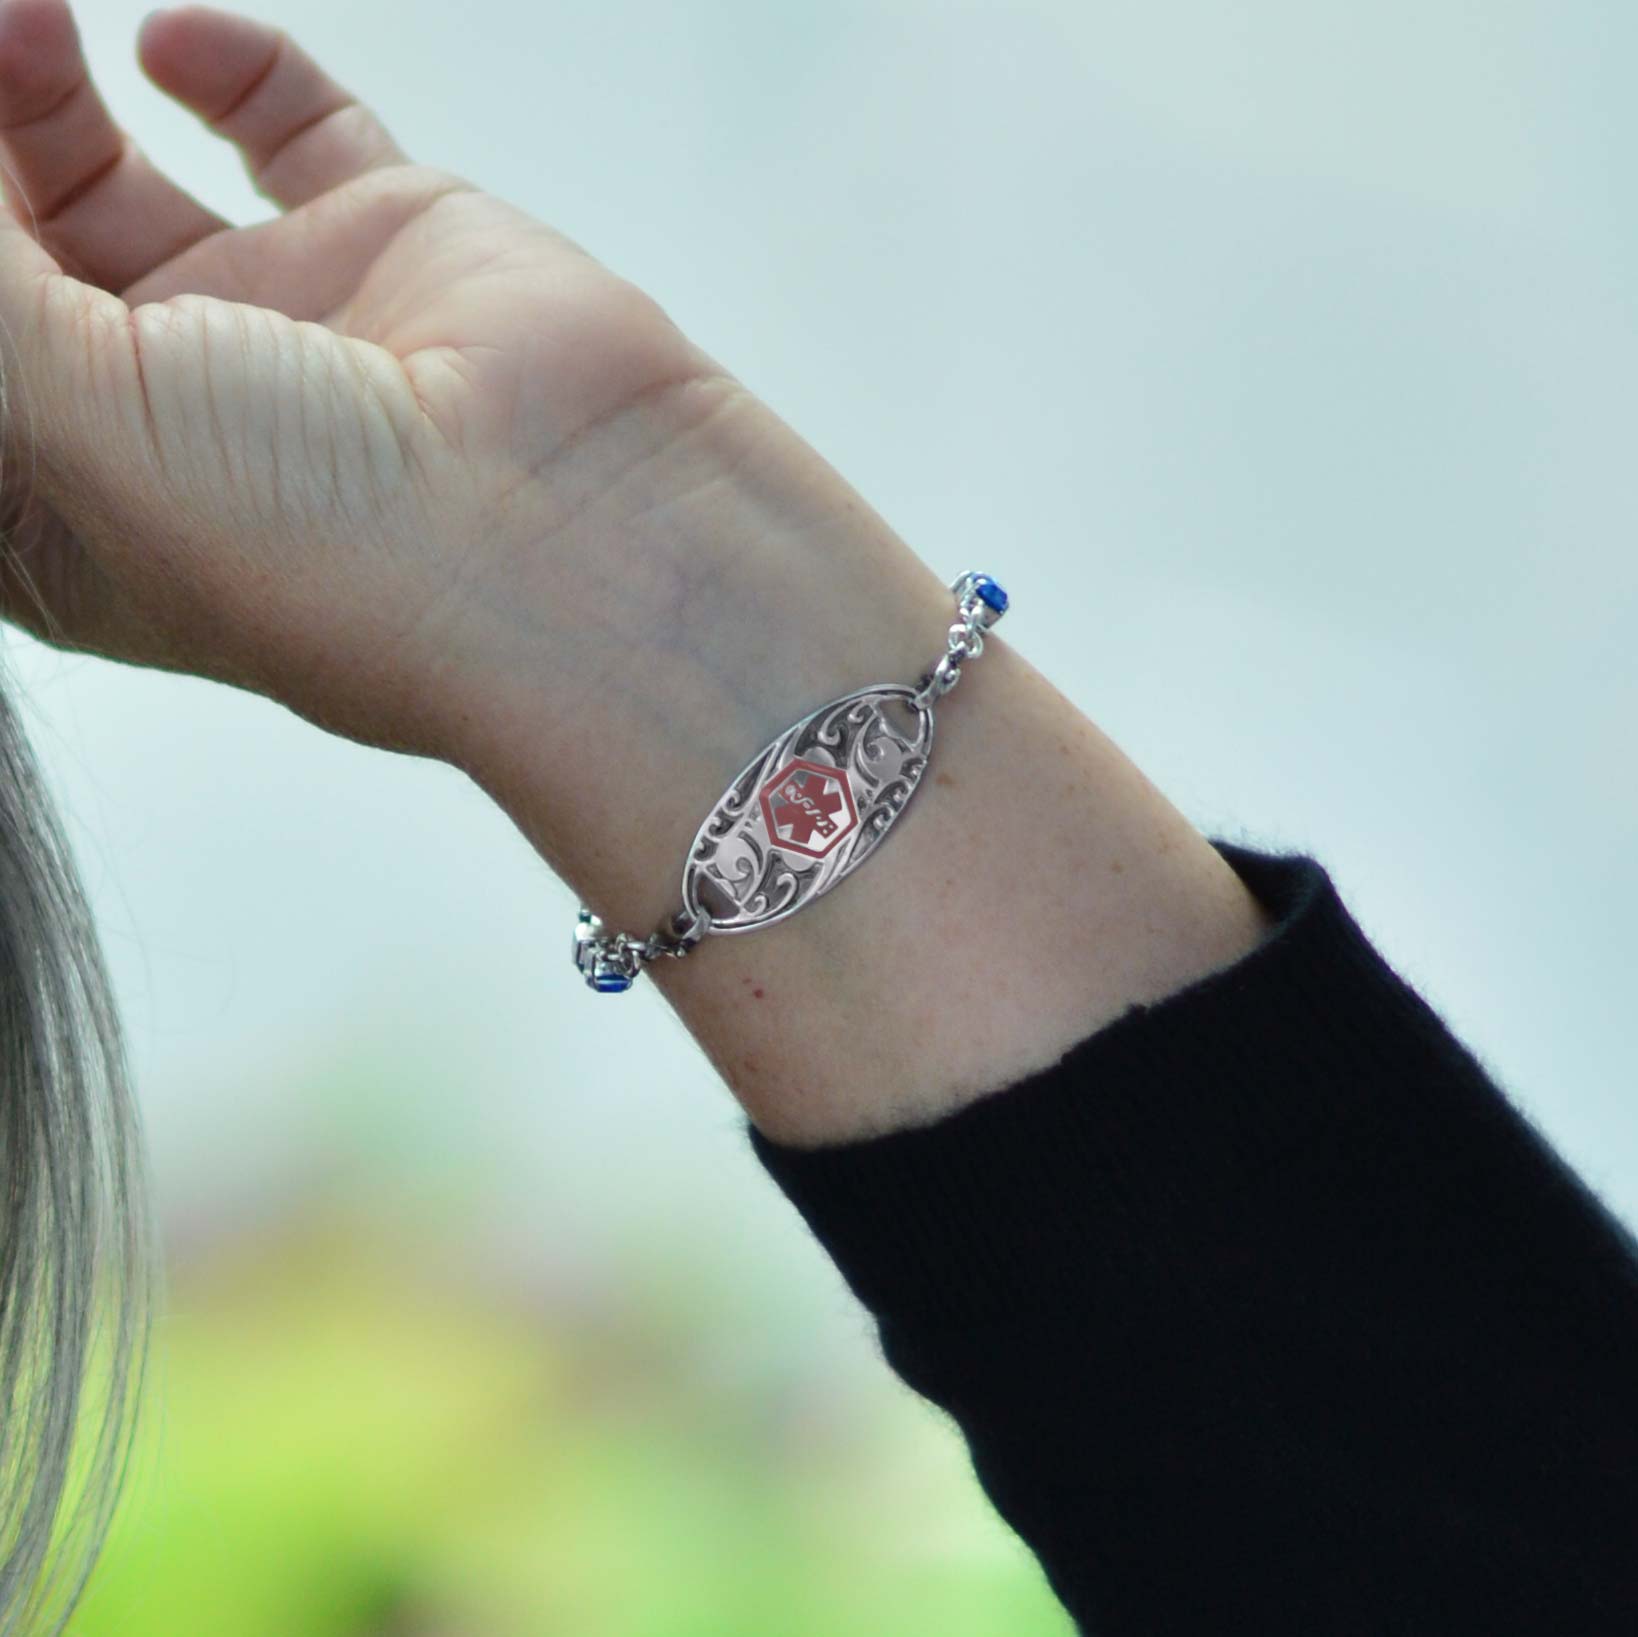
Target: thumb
{"points": [[72, 438], [71, 376]]}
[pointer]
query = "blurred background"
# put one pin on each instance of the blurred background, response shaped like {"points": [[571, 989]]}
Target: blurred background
{"points": [[1278, 356]]}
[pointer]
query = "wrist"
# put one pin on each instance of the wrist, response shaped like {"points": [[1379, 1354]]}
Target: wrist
{"points": [[722, 582], [1037, 885]]}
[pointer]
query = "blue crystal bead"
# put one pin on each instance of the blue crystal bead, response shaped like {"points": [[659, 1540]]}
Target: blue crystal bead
{"points": [[611, 983], [992, 594]]}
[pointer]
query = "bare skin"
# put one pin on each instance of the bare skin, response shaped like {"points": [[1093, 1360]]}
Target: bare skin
{"points": [[414, 464]]}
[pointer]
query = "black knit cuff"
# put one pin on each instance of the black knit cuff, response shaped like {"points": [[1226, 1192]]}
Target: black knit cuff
{"points": [[1250, 1081]]}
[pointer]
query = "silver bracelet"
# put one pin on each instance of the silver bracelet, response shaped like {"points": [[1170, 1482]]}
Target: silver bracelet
{"points": [[804, 811]]}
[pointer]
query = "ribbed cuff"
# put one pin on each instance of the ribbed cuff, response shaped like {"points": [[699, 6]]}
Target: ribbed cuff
{"points": [[1173, 1118]]}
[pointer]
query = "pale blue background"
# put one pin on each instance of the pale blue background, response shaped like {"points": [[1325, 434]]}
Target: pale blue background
{"points": [[1279, 358]]}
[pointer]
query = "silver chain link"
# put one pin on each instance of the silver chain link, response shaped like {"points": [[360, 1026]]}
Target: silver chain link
{"points": [[611, 961]]}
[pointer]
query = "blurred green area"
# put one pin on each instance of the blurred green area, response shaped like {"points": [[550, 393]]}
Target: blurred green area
{"points": [[352, 1431]]}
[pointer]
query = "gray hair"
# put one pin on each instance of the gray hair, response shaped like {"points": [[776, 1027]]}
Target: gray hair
{"points": [[78, 1271]]}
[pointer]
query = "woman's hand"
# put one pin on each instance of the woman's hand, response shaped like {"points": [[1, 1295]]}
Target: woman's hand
{"points": [[335, 457], [417, 466]]}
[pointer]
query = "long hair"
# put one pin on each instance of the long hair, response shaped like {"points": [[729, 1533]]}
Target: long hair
{"points": [[78, 1272]]}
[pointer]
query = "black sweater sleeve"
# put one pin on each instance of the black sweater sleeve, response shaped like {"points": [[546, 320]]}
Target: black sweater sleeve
{"points": [[1265, 1311]]}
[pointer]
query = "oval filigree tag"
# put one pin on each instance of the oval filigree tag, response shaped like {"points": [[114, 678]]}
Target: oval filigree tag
{"points": [[807, 809]]}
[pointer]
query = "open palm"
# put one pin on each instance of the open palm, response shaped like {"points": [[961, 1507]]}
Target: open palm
{"points": [[294, 455]]}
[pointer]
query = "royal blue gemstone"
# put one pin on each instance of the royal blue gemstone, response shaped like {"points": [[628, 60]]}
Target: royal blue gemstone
{"points": [[989, 592], [611, 983]]}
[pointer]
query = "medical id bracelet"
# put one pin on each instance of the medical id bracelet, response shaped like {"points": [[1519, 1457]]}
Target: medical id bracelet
{"points": [[806, 811]]}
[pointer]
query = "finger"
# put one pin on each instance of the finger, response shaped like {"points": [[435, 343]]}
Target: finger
{"points": [[300, 133], [88, 193]]}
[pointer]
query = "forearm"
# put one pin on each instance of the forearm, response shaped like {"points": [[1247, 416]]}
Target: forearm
{"points": [[1036, 886]]}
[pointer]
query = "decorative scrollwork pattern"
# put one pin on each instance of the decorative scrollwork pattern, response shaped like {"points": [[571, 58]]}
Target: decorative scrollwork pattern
{"points": [[808, 808]]}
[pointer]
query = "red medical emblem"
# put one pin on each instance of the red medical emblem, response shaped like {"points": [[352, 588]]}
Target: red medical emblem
{"points": [[808, 808]]}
